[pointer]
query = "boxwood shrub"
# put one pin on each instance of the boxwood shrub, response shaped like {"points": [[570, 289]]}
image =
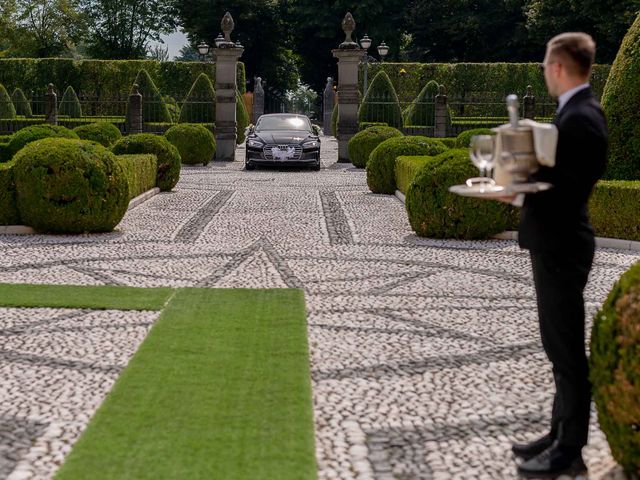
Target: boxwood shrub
{"points": [[105, 133], [8, 209], [168, 156], [7, 110], [242, 119], [140, 172], [449, 142], [5, 138], [614, 209], [4, 152], [70, 186], [381, 177], [422, 111], [195, 143], [363, 125], [434, 212], [200, 104], [615, 369], [70, 105], [380, 103], [37, 132], [464, 139], [21, 104], [362, 143], [407, 167]]}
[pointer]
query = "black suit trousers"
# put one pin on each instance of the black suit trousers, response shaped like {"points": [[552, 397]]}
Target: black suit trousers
{"points": [[560, 277]]}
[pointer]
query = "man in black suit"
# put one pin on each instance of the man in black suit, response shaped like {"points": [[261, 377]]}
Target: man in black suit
{"points": [[555, 228]]}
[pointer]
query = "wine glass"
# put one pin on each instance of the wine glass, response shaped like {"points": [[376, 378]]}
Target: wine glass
{"points": [[482, 147]]}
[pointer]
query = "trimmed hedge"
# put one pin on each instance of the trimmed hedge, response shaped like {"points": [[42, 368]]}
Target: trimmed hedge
{"points": [[139, 171], [620, 102], [104, 133], [242, 119], [4, 152], [615, 369], [70, 105], [5, 138], [464, 139], [363, 125], [21, 104], [362, 143], [9, 214], [422, 111], [154, 109], [168, 156], [614, 209], [70, 186], [380, 103], [195, 143], [449, 142], [37, 132], [381, 177], [407, 167], [7, 110], [434, 212], [200, 104]]}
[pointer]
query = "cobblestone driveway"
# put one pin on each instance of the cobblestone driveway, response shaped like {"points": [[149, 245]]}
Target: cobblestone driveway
{"points": [[425, 355]]}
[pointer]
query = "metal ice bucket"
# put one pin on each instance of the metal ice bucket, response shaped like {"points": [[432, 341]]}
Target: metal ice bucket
{"points": [[518, 155]]}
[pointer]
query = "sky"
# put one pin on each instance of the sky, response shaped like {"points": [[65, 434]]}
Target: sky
{"points": [[174, 41]]}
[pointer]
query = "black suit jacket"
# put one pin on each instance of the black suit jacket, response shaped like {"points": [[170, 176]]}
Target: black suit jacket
{"points": [[558, 219]]}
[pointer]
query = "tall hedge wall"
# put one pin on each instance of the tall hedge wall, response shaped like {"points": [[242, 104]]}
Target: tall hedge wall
{"points": [[459, 78], [91, 76]]}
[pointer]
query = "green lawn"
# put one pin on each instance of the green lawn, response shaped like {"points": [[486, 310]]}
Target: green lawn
{"points": [[219, 389]]}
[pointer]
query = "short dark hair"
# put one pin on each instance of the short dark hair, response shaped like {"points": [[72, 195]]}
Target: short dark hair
{"points": [[577, 49]]}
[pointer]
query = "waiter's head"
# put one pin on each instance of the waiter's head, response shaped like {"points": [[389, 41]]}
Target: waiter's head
{"points": [[568, 61]]}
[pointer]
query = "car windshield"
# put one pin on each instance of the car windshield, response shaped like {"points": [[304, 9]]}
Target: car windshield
{"points": [[283, 123]]}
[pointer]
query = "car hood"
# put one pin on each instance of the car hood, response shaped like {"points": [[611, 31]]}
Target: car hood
{"points": [[282, 136]]}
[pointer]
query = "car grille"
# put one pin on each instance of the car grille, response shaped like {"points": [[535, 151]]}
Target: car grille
{"points": [[268, 151]]}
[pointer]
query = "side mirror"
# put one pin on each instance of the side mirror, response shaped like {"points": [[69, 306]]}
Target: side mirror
{"points": [[252, 128]]}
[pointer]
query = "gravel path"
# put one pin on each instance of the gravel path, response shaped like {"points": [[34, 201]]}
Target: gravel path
{"points": [[425, 354]]}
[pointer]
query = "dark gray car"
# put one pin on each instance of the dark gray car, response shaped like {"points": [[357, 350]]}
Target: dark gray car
{"points": [[280, 139]]}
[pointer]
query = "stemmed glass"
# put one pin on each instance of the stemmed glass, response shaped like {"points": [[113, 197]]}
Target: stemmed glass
{"points": [[482, 154]]}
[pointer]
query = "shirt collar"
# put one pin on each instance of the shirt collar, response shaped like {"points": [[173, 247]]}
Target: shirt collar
{"points": [[568, 95]]}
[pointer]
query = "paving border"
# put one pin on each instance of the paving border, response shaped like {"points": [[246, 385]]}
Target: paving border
{"points": [[27, 230], [601, 242]]}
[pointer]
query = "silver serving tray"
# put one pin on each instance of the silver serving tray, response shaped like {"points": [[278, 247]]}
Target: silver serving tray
{"points": [[497, 191]]}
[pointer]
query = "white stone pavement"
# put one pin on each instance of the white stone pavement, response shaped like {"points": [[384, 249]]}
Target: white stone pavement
{"points": [[425, 354]]}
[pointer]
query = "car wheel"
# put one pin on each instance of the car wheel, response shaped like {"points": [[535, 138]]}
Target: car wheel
{"points": [[317, 166], [249, 166]]}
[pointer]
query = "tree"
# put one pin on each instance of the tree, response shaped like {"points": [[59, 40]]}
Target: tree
{"points": [[187, 54], [121, 29], [158, 52]]}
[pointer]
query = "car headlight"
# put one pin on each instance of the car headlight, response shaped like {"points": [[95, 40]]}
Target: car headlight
{"points": [[255, 143], [311, 144]]}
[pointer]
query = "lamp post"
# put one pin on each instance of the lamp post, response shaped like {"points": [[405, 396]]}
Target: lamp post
{"points": [[203, 50], [383, 50], [219, 40], [365, 43]]}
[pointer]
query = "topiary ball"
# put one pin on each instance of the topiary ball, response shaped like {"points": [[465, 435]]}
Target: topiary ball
{"points": [[168, 156], [362, 143], [104, 133], [435, 212], [615, 369], [69, 186], [464, 139], [36, 132], [195, 143], [381, 176]]}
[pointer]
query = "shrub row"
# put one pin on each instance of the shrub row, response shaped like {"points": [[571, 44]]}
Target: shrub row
{"points": [[406, 169], [139, 171]]}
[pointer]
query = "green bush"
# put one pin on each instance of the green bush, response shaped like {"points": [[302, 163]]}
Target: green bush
{"points": [[362, 143], [614, 209], [154, 109], [615, 369], [200, 104], [464, 139], [8, 209], [173, 107], [37, 132], [5, 138], [434, 212], [69, 186], [380, 103], [407, 168], [422, 111], [21, 104], [381, 176], [242, 118], [335, 115], [4, 152], [365, 125], [168, 156], [70, 105], [449, 142], [620, 102], [105, 133], [195, 143], [140, 172], [7, 110]]}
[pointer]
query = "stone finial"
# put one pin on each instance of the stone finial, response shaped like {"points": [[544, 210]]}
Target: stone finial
{"points": [[257, 87], [50, 88], [529, 91], [442, 90], [136, 89], [329, 85], [348, 26], [227, 26]]}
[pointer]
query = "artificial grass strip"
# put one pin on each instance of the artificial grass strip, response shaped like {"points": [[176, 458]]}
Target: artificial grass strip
{"points": [[220, 389], [76, 296]]}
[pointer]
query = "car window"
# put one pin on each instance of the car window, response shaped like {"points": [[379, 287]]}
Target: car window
{"points": [[283, 123]]}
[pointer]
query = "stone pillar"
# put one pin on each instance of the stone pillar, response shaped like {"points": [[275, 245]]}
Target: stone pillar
{"points": [[51, 106], [529, 102], [349, 55], [258, 100], [442, 113], [226, 55], [327, 107], [134, 111]]}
